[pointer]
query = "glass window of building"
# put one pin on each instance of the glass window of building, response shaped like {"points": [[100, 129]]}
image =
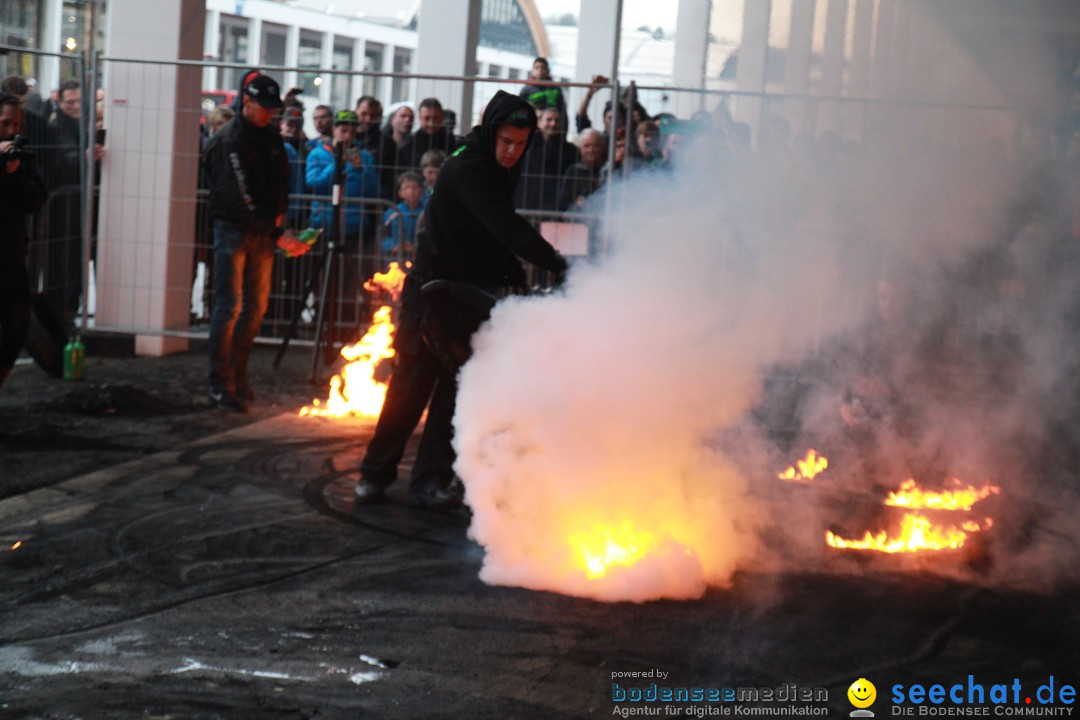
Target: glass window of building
{"points": [[20, 26], [402, 64], [274, 40], [341, 84], [309, 55], [233, 49], [373, 62]]}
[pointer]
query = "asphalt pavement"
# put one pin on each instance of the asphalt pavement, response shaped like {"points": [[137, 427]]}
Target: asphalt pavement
{"points": [[177, 562]]}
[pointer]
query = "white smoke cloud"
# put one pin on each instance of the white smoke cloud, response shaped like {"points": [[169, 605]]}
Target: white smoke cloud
{"points": [[628, 405]]}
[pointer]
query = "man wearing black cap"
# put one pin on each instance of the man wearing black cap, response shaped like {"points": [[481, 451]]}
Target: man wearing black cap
{"points": [[22, 192], [473, 238], [248, 173]]}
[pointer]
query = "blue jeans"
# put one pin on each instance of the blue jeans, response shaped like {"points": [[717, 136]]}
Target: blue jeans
{"points": [[242, 265]]}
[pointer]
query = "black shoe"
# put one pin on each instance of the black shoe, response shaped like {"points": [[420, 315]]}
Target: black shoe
{"points": [[435, 496], [221, 400], [369, 492]]}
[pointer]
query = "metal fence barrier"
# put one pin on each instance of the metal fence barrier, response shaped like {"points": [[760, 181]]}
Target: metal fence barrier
{"points": [[747, 122]]}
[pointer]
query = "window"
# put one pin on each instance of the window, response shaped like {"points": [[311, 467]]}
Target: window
{"points": [[309, 55], [19, 27], [233, 49], [373, 59], [402, 64], [339, 88], [273, 44]]}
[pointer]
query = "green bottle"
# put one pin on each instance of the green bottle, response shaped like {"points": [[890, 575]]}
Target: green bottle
{"points": [[74, 359]]}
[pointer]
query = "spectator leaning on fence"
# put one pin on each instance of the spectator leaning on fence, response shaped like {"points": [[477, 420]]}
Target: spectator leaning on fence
{"points": [[291, 123], [583, 178], [322, 117], [430, 165], [432, 135], [371, 137], [543, 93], [248, 174], [65, 269], [400, 124], [548, 157], [400, 220], [22, 192]]}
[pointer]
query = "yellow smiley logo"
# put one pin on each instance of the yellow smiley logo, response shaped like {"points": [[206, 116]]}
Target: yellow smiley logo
{"points": [[862, 693]]}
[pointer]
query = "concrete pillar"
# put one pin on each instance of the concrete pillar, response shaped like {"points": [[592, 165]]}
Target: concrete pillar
{"points": [[856, 116], [51, 40], [446, 45], [149, 178], [797, 68], [255, 41], [753, 52], [356, 82], [832, 65], [386, 85], [292, 54], [596, 24], [691, 46], [327, 62]]}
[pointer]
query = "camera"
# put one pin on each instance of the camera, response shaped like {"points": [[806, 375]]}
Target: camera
{"points": [[16, 151]]}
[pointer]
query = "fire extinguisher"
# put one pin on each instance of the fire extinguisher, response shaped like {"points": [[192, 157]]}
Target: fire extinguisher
{"points": [[74, 359]]}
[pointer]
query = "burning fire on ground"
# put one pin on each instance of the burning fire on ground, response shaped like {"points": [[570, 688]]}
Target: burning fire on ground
{"points": [[356, 391], [810, 466], [917, 532]]}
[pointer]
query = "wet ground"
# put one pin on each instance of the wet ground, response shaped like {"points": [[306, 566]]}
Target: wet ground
{"points": [[177, 562]]}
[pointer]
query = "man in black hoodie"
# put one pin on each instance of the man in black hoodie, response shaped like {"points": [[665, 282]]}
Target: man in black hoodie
{"points": [[22, 191], [472, 236], [248, 173]]}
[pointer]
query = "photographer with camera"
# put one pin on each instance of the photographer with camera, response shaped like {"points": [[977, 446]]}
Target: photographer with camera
{"points": [[22, 192]]}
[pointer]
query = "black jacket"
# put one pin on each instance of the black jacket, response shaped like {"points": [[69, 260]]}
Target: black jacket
{"points": [[384, 149], [543, 166], [473, 233], [248, 174], [65, 168], [22, 193], [544, 95], [412, 149]]}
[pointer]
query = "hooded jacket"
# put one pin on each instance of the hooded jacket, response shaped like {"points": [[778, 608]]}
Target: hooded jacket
{"points": [[472, 232], [248, 172]]}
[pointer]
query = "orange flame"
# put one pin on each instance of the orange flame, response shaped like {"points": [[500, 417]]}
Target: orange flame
{"points": [[912, 496], [916, 533], [391, 281], [605, 547], [356, 391], [17, 545], [808, 468]]}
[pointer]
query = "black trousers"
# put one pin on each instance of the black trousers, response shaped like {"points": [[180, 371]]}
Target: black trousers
{"points": [[14, 309], [420, 381]]}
